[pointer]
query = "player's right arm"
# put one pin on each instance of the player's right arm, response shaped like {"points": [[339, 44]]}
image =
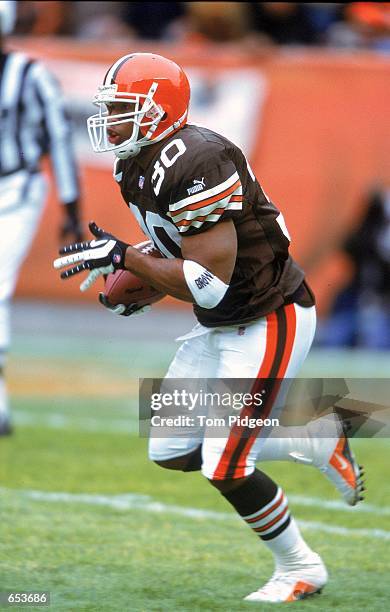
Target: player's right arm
{"points": [[206, 268], [202, 276]]}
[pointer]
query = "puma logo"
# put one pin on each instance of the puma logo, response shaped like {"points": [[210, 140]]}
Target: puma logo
{"points": [[197, 186]]}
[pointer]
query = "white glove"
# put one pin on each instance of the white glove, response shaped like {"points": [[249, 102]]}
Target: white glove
{"points": [[122, 309]]}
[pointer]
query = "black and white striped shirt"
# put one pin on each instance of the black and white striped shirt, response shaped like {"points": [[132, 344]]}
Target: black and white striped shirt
{"points": [[33, 122]]}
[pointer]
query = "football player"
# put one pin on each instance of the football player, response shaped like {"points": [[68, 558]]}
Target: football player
{"points": [[226, 250]]}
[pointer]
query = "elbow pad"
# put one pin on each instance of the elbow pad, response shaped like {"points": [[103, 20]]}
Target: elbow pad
{"points": [[206, 288]]}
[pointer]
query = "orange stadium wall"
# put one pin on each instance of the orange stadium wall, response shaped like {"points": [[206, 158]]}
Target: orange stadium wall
{"points": [[317, 137]]}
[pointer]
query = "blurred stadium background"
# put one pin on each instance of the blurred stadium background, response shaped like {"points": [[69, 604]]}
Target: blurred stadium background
{"points": [[304, 90]]}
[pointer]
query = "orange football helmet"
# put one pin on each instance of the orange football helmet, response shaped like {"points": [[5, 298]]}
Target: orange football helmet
{"points": [[159, 92]]}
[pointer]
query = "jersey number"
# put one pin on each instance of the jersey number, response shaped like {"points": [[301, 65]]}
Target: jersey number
{"points": [[158, 175], [153, 220]]}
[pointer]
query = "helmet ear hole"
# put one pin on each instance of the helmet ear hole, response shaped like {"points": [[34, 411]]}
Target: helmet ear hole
{"points": [[165, 116]]}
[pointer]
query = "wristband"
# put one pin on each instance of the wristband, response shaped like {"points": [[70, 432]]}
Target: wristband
{"points": [[207, 289]]}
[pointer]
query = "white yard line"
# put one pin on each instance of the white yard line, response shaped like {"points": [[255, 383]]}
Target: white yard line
{"points": [[89, 424], [317, 502], [124, 426], [131, 426], [145, 503]]}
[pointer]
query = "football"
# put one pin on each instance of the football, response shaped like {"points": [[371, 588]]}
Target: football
{"points": [[124, 287]]}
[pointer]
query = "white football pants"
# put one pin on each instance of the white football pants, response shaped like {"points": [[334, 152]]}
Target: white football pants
{"points": [[273, 347], [22, 197]]}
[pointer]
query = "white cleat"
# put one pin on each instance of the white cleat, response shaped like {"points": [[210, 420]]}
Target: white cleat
{"points": [[293, 584], [343, 470], [335, 459]]}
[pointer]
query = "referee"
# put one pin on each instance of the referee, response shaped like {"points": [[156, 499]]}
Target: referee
{"points": [[33, 123]]}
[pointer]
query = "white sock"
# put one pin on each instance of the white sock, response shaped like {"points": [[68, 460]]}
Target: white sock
{"points": [[289, 548], [274, 524]]}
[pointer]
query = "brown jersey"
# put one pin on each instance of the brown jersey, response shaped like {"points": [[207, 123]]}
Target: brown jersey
{"points": [[194, 179]]}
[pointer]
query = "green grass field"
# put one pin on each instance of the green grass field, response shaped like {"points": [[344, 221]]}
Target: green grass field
{"points": [[85, 515]]}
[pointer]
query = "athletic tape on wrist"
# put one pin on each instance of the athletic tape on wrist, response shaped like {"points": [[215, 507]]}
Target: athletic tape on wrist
{"points": [[206, 288]]}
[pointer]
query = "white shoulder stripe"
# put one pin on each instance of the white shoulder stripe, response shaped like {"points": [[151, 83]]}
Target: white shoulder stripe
{"points": [[234, 206], [205, 194], [212, 218], [205, 210]]}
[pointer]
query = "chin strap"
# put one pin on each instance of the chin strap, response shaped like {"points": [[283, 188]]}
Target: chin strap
{"points": [[172, 128], [130, 151]]}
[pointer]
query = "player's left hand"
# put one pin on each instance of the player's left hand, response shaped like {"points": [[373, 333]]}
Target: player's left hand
{"points": [[71, 225], [122, 309], [101, 256]]}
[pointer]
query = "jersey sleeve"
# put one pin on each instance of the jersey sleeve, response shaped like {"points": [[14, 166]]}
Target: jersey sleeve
{"points": [[206, 194], [57, 128]]}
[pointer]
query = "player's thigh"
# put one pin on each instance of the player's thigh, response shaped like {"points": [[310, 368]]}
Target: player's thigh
{"points": [[303, 326], [274, 346], [195, 358], [194, 361], [264, 353]]}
